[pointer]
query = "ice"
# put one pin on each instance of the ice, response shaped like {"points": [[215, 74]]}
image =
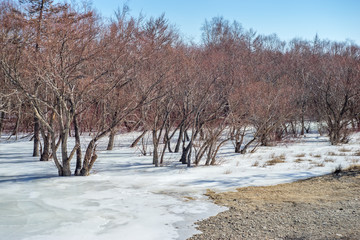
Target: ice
{"points": [[125, 197]]}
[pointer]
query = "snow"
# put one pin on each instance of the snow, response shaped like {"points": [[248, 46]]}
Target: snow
{"points": [[127, 198]]}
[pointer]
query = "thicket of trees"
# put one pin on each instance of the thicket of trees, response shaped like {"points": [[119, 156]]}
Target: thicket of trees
{"points": [[65, 71]]}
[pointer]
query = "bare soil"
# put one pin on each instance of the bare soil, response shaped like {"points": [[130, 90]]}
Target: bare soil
{"points": [[326, 207]]}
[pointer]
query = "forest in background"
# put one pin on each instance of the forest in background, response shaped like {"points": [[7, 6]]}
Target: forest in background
{"points": [[65, 71]]}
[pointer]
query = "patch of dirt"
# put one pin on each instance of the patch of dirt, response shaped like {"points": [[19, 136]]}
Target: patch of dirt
{"points": [[326, 207]]}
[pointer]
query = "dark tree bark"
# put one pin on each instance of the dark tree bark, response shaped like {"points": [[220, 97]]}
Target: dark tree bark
{"points": [[78, 150], [45, 155]]}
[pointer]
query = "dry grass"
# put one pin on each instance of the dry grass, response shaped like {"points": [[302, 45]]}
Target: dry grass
{"points": [[354, 167], [317, 164], [275, 160], [255, 164], [299, 160], [300, 155], [344, 150], [320, 189], [331, 154], [228, 171], [357, 153], [316, 155], [187, 198], [329, 160]]}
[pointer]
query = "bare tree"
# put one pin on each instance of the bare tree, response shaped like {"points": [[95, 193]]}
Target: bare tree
{"points": [[335, 90]]}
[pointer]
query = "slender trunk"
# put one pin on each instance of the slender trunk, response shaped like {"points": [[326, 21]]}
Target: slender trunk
{"points": [[54, 154], [138, 139], [155, 150], [184, 154], [45, 155], [88, 158], [78, 150], [36, 152], [2, 117], [237, 147], [208, 158], [264, 140], [302, 125], [181, 133], [64, 154], [16, 128], [243, 151], [189, 155], [186, 136], [163, 153], [110, 145], [167, 140]]}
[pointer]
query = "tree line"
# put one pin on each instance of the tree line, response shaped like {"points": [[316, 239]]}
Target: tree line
{"points": [[66, 71]]}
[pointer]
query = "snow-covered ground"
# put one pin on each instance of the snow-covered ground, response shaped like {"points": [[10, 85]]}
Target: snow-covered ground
{"points": [[127, 198]]}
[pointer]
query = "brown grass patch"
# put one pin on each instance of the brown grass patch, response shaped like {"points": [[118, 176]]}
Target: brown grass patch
{"points": [[299, 160], [275, 160], [255, 164], [329, 160], [357, 153], [187, 198], [300, 155], [320, 189], [344, 150], [317, 164], [354, 167]]}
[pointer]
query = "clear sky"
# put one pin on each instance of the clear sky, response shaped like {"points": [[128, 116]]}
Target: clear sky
{"points": [[337, 20]]}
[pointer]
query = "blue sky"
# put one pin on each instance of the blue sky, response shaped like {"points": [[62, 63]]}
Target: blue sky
{"points": [[331, 19]]}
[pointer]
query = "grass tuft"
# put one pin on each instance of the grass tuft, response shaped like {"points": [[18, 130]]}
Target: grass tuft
{"points": [[275, 160], [357, 153], [344, 150], [300, 155], [354, 167], [255, 164], [329, 160]]}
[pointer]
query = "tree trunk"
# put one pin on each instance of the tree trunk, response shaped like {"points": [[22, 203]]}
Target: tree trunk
{"points": [[2, 117], [181, 133], [137, 140], [189, 155], [64, 154], [54, 154], [36, 152], [243, 151], [16, 128], [78, 150], [208, 158], [90, 152], [237, 147], [110, 145], [184, 154], [155, 150], [45, 155], [302, 133]]}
